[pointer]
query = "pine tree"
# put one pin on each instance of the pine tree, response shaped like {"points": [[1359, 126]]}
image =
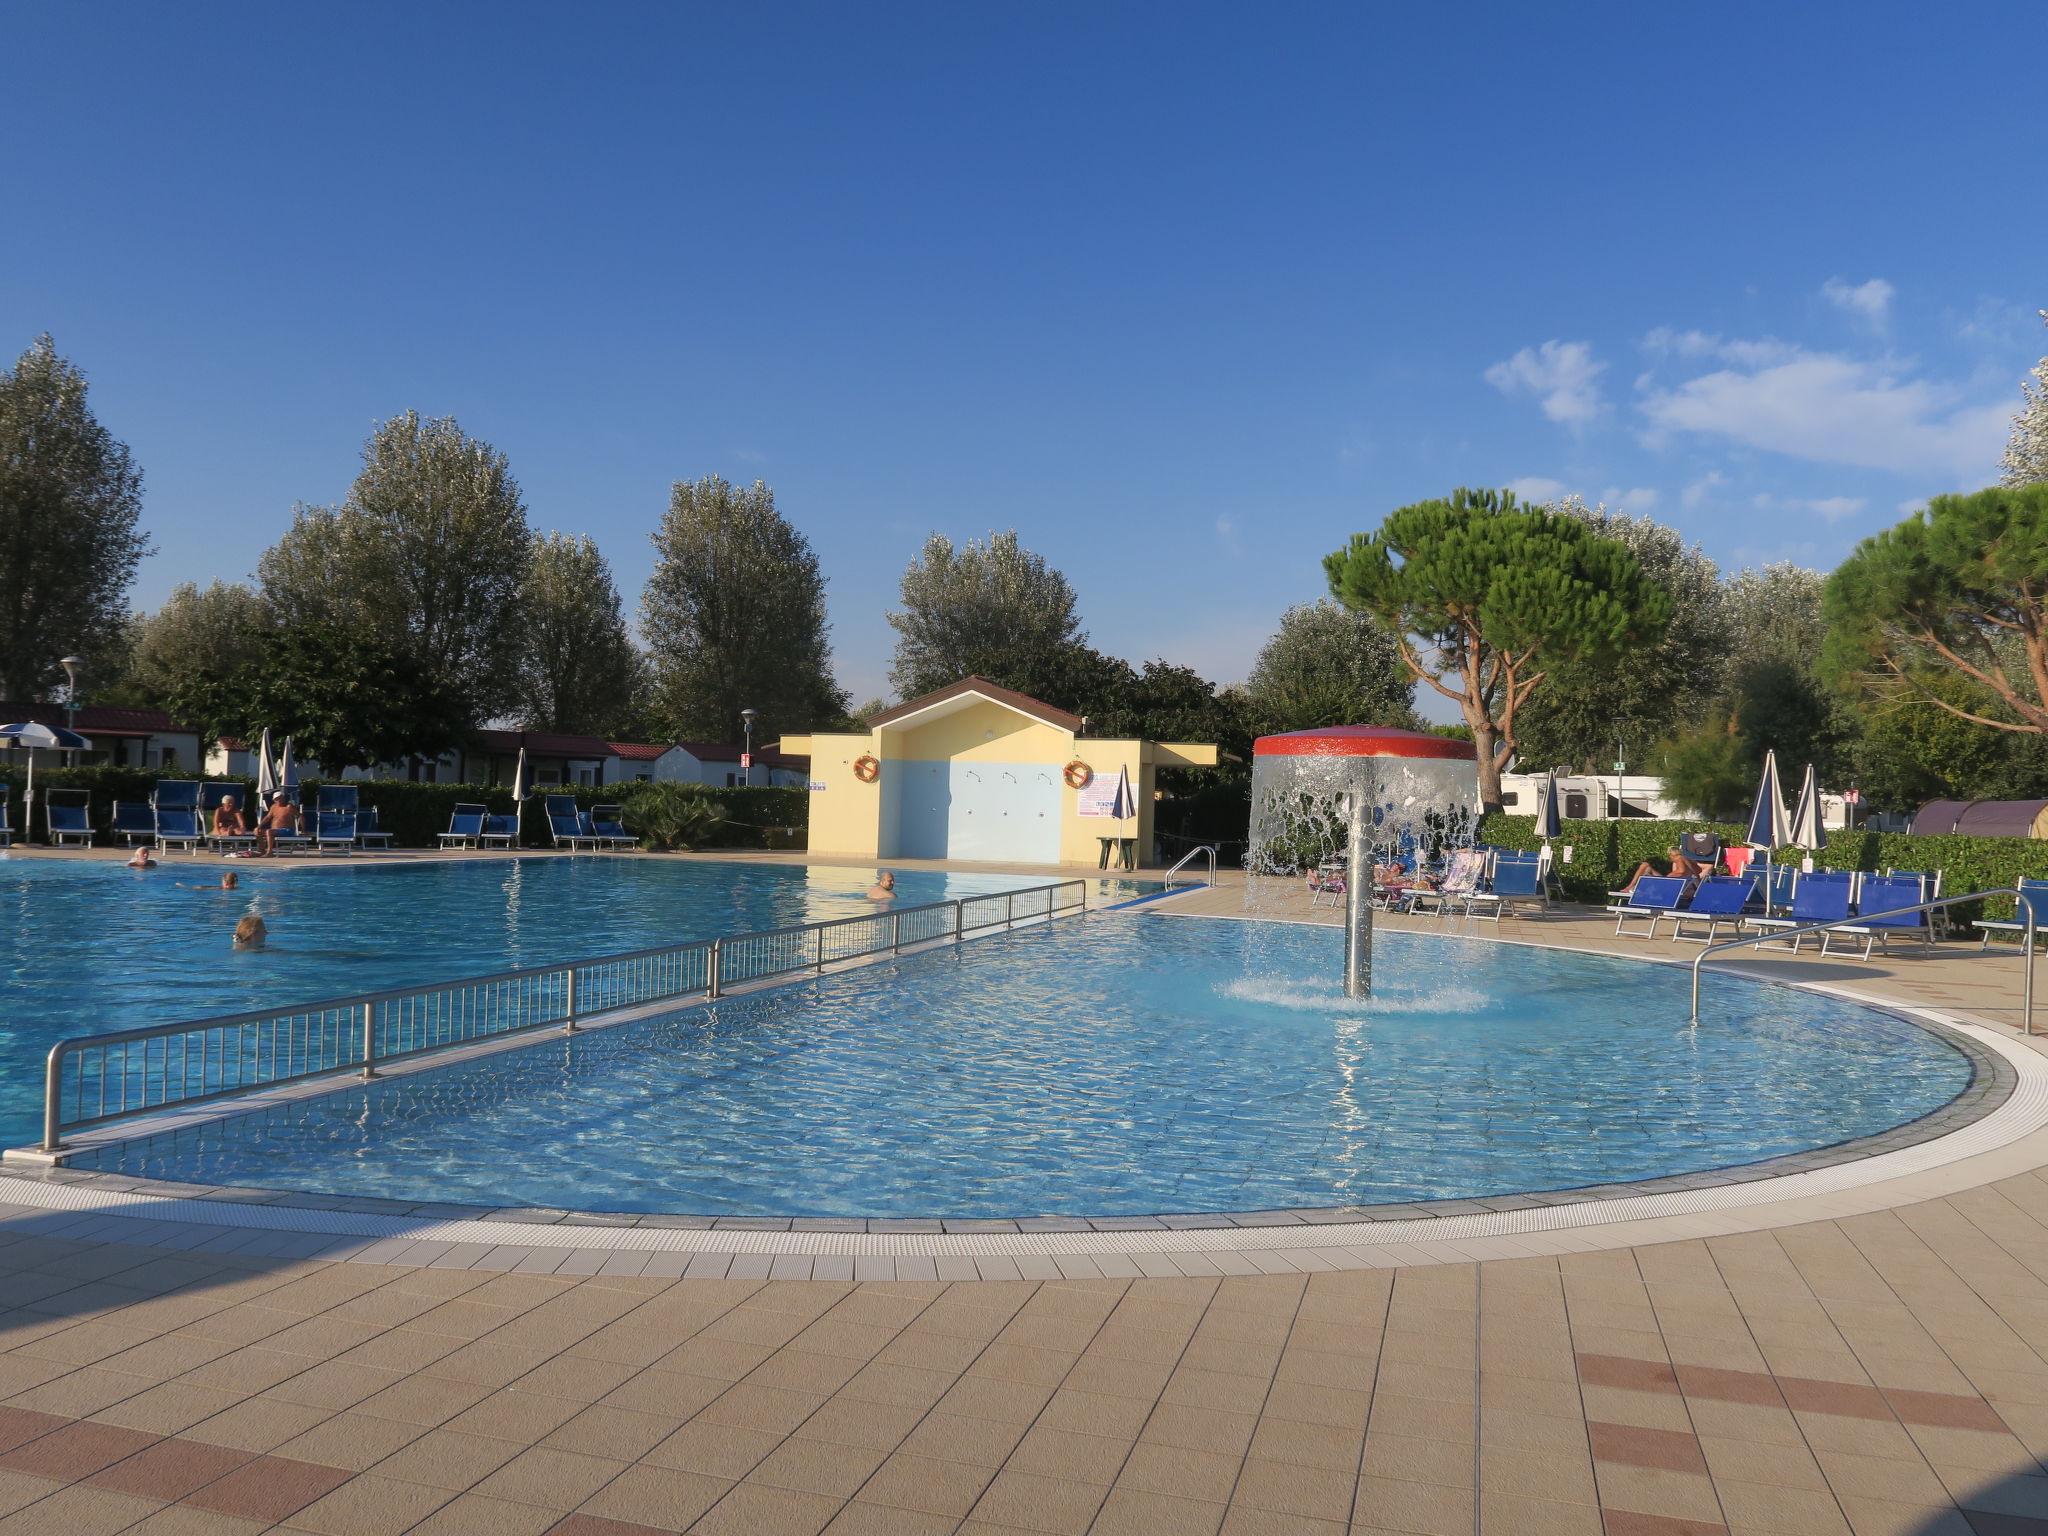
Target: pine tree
{"points": [[734, 616], [70, 498]]}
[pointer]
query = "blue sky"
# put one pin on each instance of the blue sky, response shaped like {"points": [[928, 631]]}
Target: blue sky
{"points": [[1186, 293]]}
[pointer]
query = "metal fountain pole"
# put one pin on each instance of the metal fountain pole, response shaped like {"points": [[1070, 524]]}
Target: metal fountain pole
{"points": [[1358, 888]]}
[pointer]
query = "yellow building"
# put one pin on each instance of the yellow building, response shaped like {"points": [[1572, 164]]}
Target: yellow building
{"points": [[979, 771]]}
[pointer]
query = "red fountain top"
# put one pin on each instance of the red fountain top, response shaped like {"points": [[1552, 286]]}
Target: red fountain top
{"points": [[1364, 741]]}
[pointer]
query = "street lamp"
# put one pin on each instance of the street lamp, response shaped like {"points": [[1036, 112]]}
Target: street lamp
{"points": [[71, 664], [747, 717]]}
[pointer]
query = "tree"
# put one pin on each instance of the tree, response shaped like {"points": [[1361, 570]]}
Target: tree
{"points": [[2026, 453], [735, 615], [1709, 770], [70, 498], [428, 552], [578, 669], [1960, 587], [203, 633], [995, 604], [1329, 665], [1489, 594], [348, 700], [1589, 702]]}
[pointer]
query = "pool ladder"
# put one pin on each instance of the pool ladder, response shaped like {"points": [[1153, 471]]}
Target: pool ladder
{"points": [[1188, 858]]}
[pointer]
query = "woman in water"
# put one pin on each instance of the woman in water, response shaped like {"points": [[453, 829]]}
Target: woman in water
{"points": [[250, 932]]}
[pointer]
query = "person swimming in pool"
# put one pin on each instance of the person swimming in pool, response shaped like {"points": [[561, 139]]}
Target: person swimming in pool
{"points": [[884, 888], [251, 932], [228, 882], [140, 858]]}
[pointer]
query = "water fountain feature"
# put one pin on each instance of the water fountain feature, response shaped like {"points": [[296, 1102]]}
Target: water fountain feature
{"points": [[1361, 794]]}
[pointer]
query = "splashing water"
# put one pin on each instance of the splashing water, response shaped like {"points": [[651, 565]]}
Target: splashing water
{"points": [[1327, 996]]}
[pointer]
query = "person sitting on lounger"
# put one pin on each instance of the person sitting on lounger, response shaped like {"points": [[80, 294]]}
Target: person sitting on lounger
{"points": [[1683, 867], [283, 816], [884, 888], [228, 820]]}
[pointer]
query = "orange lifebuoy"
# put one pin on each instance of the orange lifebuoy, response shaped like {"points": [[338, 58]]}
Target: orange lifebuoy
{"points": [[867, 769], [1078, 774]]}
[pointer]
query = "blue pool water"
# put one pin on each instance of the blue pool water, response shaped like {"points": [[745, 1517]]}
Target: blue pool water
{"points": [[1115, 1065], [91, 947]]}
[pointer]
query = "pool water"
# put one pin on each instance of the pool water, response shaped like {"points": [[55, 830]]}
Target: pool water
{"points": [[1115, 1065], [86, 948]]}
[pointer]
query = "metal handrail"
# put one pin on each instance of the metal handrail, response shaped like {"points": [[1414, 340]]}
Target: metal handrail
{"points": [[2025, 905], [1189, 857], [346, 1029]]}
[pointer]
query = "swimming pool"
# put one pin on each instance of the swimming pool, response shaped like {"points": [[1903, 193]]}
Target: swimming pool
{"points": [[1114, 1065], [89, 947]]}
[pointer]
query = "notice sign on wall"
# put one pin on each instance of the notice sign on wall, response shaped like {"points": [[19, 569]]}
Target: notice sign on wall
{"points": [[1097, 797]]}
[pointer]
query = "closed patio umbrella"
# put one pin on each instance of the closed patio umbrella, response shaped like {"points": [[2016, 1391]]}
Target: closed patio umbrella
{"points": [[288, 772], [1548, 823], [1125, 804], [266, 771], [522, 787], [1807, 830], [1769, 827]]}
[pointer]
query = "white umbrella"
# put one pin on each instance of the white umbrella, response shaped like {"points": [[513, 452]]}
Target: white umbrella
{"points": [[1807, 830], [288, 772], [521, 788], [1124, 804], [266, 771], [1769, 827], [51, 738]]}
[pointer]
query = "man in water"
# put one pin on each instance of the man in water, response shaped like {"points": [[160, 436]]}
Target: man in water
{"points": [[884, 888], [140, 858]]}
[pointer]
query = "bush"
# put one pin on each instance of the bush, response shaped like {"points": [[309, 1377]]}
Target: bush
{"points": [[416, 814], [1605, 854]]}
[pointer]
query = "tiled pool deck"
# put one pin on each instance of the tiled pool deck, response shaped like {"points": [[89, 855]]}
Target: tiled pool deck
{"points": [[1866, 1359]]}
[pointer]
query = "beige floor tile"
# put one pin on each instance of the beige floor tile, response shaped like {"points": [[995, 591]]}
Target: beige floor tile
{"points": [[1177, 1471], [661, 1497], [1061, 1506], [1315, 1492], [755, 1510], [446, 1458], [1127, 1512], [1552, 1475], [1513, 1514], [1793, 1511], [352, 1441], [473, 1514], [555, 1479], [256, 1426], [78, 1511], [1750, 1461], [370, 1506], [1426, 1508], [1650, 1491], [927, 1485], [725, 1451], [863, 1519], [817, 1466]]}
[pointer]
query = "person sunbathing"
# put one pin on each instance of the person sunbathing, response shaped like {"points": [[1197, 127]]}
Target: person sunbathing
{"points": [[228, 820], [283, 816]]}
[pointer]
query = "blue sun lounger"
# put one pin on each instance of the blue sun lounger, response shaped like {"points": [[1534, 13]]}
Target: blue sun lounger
{"points": [[567, 825], [369, 830], [135, 821], [605, 821], [66, 818], [1720, 899], [465, 827], [498, 832], [1654, 898], [211, 798], [2035, 894], [1822, 897], [1880, 912]]}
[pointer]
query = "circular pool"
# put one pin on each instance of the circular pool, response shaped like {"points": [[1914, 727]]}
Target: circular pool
{"points": [[1117, 1066]]}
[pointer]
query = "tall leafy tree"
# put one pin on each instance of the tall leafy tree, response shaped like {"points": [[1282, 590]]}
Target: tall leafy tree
{"points": [[2026, 453], [1961, 587], [1329, 665], [349, 700], [578, 669], [1485, 595], [70, 498], [734, 615], [993, 604], [204, 632], [429, 552], [1642, 691]]}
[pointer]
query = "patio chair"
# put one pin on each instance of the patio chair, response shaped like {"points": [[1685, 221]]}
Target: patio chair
{"points": [[608, 823], [2035, 894], [1781, 881], [498, 832], [211, 797], [1717, 900], [1519, 880], [334, 831], [465, 826], [1881, 905], [566, 824], [135, 821], [1331, 879], [369, 831], [1822, 897], [66, 816], [1653, 899], [336, 797], [1462, 877], [6, 815]]}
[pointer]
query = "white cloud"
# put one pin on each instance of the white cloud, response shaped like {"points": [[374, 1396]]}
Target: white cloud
{"points": [[1665, 342], [1872, 301], [1700, 489], [1829, 509], [1835, 409], [1638, 501], [1562, 374], [1536, 488]]}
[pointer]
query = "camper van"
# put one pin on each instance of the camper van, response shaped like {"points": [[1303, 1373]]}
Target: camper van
{"points": [[1618, 796]]}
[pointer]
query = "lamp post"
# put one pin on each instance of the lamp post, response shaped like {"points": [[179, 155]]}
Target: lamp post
{"points": [[71, 664], [747, 717]]}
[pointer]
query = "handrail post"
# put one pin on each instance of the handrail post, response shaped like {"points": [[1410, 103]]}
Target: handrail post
{"points": [[369, 1041], [958, 920], [53, 1074], [895, 933], [2027, 960], [712, 965], [1009, 910], [569, 1002]]}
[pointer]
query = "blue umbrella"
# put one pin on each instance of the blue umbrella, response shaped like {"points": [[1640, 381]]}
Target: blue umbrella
{"points": [[1548, 823], [1769, 827], [1125, 805], [51, 738]]}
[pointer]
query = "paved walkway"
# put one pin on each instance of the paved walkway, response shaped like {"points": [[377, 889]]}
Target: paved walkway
{"points": [[1876, 1373]]}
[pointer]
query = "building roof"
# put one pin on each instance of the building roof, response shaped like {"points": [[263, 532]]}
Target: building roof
{"points": [[542, 743], [958, 695], [641, 751], [97, 720], [729, 752]]}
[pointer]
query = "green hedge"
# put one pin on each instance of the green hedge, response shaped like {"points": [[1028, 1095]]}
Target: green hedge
{"points": [[416, 814], [1605, 854]]}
